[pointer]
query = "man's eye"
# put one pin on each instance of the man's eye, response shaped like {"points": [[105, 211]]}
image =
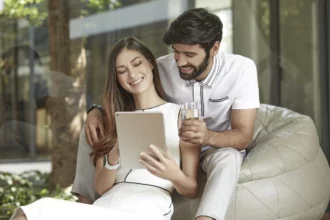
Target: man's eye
{"points": [[190, 55]]}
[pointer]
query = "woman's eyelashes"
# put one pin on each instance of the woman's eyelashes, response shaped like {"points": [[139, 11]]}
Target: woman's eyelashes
{"points": [[122, 71], [137, 64]]}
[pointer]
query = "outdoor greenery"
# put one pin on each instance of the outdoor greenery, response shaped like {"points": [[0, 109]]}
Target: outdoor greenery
{"points": [[22, 189], [35, 11]]}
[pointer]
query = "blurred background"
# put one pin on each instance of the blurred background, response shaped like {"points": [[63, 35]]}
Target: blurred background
{"points": [[53, 64]]}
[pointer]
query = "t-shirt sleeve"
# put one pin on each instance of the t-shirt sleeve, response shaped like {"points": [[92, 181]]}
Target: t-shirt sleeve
{"points": [[85, 171], [247, 95]]}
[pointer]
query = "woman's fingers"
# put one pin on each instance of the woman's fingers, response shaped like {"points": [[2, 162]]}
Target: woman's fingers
{"points": [[150, 168], [149, 159], [158, 154]]}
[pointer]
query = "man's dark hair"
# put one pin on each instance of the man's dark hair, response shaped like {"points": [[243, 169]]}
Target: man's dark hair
{"points": [[195, 26]]}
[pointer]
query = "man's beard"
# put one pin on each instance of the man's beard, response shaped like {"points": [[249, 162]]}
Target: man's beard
{"points": [[197, 71]]}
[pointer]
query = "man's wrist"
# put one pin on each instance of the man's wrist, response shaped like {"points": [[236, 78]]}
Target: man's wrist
{"points": [[210, 138], [99, 107]]}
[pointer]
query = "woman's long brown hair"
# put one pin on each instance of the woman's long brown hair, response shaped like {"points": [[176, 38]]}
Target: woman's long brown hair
{"points": [[115, 98]]}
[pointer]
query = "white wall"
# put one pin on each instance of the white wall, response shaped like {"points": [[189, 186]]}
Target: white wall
{"points": [[127, 17]]}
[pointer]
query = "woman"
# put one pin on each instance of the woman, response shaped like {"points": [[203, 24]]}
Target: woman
{"points": [[133, 85]]}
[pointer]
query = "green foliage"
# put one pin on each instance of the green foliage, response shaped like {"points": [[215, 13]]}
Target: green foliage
{"points": [[17, 190], [33, 10], [102, 5]]}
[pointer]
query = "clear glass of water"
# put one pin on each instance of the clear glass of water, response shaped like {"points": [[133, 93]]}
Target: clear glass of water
{"points": [[189, 110]]}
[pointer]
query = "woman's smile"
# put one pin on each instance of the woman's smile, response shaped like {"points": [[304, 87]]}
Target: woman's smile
{"points": [[136, 82]]}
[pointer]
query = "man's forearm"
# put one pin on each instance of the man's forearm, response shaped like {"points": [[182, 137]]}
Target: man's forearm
{"points": [[235, 138], [95, 104]]}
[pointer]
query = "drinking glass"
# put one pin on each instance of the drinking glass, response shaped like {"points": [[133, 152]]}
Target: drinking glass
{"points": [[189, 110]]}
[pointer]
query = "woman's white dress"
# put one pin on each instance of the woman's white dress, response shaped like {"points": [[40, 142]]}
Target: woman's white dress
{"points": [[137, 194]]}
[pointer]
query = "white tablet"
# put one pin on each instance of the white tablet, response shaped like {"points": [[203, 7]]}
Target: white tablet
{"points": [[136, 131]]}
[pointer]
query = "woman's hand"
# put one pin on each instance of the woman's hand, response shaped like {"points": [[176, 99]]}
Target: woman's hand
{"points": [[163, 167], [94, 127]]}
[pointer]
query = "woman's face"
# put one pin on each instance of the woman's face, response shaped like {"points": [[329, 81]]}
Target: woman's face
{"points": [[134, 72]]}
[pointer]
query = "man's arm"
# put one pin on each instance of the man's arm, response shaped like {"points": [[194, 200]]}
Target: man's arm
{"points": [[94, 126], [83, 184], [238, 137]]}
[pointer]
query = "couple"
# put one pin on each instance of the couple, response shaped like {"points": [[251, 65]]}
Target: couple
{"points": [[225, 87]]}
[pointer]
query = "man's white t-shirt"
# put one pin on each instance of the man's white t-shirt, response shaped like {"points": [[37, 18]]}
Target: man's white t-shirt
{"points": [[231, 84]]}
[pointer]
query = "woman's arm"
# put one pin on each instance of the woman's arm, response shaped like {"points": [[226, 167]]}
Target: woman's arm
{"points": [[190, 155], [105, 178], [185, 180], [186, 183]]}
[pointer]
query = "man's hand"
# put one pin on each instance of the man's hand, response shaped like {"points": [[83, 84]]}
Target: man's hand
{"points": [[163, 167], [195, 131], [94, 127]]}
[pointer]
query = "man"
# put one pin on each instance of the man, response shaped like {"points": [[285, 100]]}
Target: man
{"points": [[15, 132], [225, 89]]}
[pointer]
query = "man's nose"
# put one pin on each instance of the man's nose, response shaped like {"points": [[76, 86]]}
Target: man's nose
{"points": [[180, 59]]}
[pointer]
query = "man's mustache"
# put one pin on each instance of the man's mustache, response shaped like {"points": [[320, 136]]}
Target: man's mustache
{"points": [[186, 66]]}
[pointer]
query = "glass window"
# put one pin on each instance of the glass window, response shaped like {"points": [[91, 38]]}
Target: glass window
{"points": [[298, 37], [251, 39], [223, 9], [300, 86]]}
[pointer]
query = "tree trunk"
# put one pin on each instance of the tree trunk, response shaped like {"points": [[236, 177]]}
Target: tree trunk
{"points": [[66, 104]]}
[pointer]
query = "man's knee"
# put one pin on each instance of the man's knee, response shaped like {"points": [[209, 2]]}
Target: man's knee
{"points": [[234, 154], [222, 158], [227, 154]]}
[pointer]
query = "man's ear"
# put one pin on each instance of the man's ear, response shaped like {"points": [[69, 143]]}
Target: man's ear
{"points": [[215, 48]]}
